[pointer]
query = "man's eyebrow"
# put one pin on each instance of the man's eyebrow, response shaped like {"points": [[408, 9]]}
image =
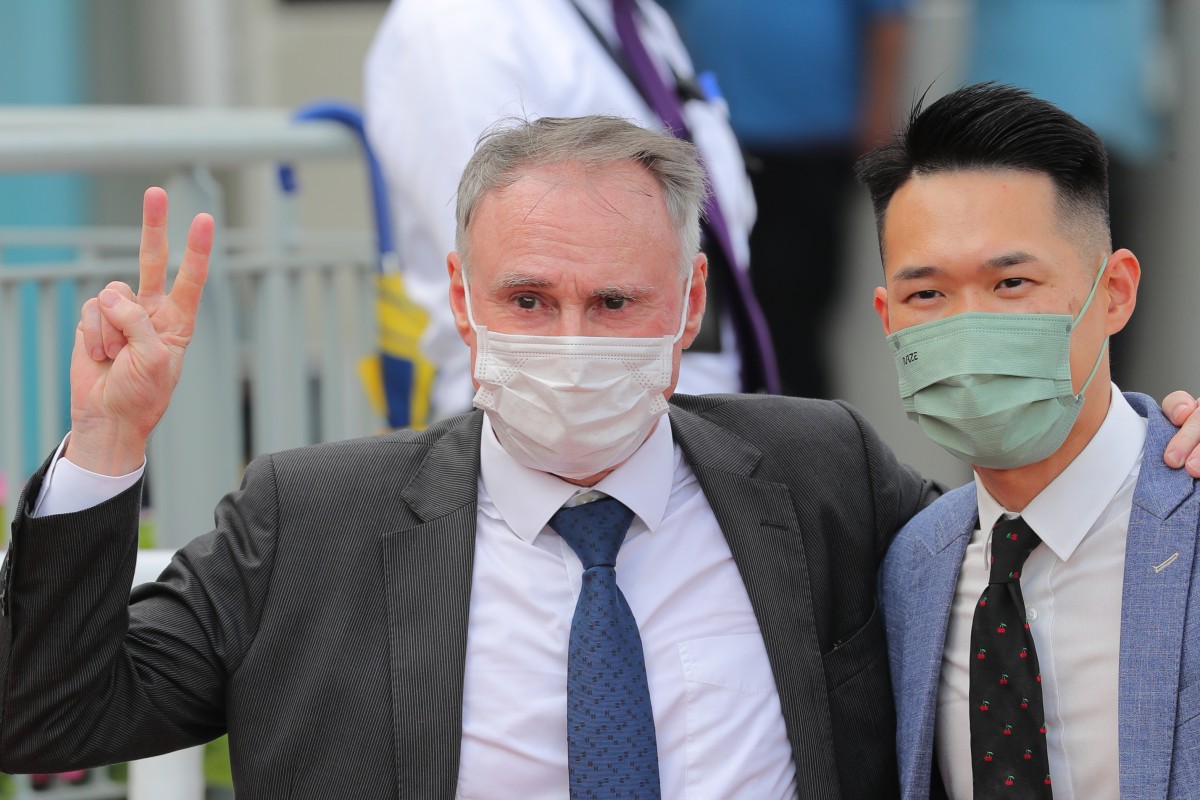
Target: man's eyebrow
{"points": [[1002, 261], [1010, 259], [627, 290], [517, 280], [917, 273]]}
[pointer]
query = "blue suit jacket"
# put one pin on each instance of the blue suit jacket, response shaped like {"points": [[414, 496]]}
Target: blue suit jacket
{"points": [[1159, 705]]}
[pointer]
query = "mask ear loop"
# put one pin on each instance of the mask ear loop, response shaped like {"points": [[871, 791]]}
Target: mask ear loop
{"points": [[1087, 303], [1103, 347], [687, 297], [467, 299]]}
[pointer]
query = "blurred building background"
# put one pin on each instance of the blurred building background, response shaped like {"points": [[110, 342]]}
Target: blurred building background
{"points": [[274, 53]]}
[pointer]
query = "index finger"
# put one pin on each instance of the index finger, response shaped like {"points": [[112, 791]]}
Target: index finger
{"points": [[193, 269], [152, 253]]}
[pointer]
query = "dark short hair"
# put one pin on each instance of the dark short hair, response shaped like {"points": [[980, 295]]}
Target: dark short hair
{"points": [[993, 126]]}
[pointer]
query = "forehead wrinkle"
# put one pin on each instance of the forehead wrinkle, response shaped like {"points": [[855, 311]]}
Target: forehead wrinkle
{"points": [[550, 187], [594, 178], [631, 184]]}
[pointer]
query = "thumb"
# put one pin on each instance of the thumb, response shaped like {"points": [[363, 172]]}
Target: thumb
{"points": [[127, 317]]}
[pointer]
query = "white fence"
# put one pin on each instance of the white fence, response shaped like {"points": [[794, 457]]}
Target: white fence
{"points": [[284, 320], [285, 331], [286, 316]]}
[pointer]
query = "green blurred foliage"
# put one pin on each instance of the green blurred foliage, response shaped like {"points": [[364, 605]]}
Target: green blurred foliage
{"points": [[217, 773]]}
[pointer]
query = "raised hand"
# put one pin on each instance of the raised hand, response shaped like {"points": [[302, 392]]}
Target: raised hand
{"points": [[129, 347], [1181, 408]]}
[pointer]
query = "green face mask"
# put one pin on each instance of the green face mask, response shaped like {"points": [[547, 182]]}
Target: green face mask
{"points": [[993, 389]]}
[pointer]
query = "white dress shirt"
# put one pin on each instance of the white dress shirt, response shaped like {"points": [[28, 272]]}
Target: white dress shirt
{"points": [[719, 723], [1072, 589], [717, 714], [441, 71]]}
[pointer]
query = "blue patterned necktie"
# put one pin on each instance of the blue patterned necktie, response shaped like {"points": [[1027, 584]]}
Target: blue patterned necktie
{"points": [[611, 746]]}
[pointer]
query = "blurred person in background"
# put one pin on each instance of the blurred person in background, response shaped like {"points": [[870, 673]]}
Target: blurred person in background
{"points": [[810, 85], [1108, 63], [441, 71]]}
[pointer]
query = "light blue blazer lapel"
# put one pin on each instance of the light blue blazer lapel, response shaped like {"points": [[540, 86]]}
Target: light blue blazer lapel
{"points": [[936, 540], [1159, 562]]}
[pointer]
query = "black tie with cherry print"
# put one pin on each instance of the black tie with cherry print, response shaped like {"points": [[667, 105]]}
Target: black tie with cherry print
{"points": [[1008, 721]]}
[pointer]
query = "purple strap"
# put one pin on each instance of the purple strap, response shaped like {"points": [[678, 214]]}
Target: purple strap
{"points": [[754, 338]]}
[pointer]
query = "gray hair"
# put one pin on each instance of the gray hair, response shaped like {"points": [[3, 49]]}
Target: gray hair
{"points": [[511, 148]]}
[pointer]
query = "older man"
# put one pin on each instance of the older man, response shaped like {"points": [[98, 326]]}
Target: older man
{"points": [[412, 615]]}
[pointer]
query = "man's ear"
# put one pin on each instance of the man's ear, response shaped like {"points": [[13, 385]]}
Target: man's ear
{"points": [[458, 300], [697, 298], [1120, 282], [881, 308]]}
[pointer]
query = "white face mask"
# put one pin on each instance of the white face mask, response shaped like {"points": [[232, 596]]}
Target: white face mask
{"points": [[572, 406]]}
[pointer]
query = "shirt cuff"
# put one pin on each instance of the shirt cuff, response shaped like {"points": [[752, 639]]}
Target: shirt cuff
{"points": [[68, 488]]}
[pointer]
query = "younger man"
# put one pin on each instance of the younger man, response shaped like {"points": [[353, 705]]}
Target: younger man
{"points": [[1043, 632]]}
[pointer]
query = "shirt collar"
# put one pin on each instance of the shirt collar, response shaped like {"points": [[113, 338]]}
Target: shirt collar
{"points": [[1066, 509], [526, 498]]}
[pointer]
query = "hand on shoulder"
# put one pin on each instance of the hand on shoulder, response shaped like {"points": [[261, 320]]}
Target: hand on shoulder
{"points": [[1184, 448]]}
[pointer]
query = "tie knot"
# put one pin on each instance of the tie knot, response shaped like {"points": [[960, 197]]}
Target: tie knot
{"points": [[1012, 542], [594, 530]]}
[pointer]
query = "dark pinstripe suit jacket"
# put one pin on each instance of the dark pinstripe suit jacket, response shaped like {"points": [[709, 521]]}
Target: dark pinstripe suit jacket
{"points": [[323, 622]]}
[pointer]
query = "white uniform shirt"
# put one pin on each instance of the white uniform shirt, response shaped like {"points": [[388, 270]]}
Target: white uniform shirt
{"points": [[717, 713], [441, 71], [1072, 590]]}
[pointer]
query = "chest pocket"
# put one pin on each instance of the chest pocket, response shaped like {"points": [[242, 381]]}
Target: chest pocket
{"points": [[862, 710], [737, 745]]}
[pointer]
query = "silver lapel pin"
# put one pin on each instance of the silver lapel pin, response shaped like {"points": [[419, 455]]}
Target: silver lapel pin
{"points": [[1166, 563]]}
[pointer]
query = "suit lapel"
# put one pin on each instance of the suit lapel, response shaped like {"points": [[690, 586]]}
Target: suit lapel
{"points": [[427, 577], [1159, 554], [758, 521], [929, 599]]}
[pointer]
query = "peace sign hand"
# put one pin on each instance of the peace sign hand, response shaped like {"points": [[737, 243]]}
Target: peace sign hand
{"points": [[129, 348]]}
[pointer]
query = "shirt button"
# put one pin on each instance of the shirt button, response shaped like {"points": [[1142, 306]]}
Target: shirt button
{"points": [[1030, 614]]}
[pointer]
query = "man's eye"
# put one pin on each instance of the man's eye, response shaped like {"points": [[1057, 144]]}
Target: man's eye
{"points": [[1012, 283], [614, 303], [526, 302], [925, 294]]}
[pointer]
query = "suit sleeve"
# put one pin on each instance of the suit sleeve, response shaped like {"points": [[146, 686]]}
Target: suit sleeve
{"points": [[898, 490], [91, 674]]}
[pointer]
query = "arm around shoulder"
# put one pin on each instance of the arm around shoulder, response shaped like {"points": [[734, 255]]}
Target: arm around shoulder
{"points": [[898, 491]]}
